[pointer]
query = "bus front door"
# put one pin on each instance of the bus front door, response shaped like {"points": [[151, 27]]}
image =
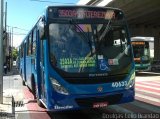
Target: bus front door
{"points": [[43, 90], [24, 62]]}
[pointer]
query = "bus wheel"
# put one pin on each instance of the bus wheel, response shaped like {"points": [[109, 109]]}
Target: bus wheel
{"points": [[33, 84], [23, 82]]}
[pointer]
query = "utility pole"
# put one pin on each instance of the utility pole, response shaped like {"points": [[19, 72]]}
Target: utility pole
{"points": [[1, 51], [12, 50], [6, 17]]}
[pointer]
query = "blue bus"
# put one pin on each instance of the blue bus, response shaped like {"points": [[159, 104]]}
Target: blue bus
{"points": [[78, 57]]}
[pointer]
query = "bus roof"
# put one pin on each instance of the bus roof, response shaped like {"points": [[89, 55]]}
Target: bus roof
{"points": [[83, 6], [150, 39]]}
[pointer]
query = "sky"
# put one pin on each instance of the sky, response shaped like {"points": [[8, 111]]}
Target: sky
{"points": [[23, 14]]}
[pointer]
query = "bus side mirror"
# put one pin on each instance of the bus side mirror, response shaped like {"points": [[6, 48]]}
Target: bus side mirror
{"points": [[41, 28]]}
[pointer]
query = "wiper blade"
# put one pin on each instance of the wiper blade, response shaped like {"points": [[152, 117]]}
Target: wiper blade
{"points": [[106, 30], [102, 36], [84, 35]]}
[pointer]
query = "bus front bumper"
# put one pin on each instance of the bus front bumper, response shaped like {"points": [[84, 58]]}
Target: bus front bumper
{"points": [[142, 67], [73, 102]]}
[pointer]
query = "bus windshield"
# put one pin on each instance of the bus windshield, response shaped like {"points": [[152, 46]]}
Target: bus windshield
{"points": [[141, 49], [88, 48]]}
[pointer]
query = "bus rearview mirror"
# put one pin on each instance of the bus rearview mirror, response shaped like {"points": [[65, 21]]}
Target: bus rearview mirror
{"points": [[42, 29], [127, 52]]}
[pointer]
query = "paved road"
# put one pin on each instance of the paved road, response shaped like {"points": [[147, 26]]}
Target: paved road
{"points": [[146, 105], [147, 85]]}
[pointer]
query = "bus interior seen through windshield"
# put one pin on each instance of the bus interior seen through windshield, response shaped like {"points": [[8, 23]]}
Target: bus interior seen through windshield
{"points": [[79, 47]]}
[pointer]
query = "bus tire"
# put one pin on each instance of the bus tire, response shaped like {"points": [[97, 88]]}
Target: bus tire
{"points": [[23, 82], [33, 86]]}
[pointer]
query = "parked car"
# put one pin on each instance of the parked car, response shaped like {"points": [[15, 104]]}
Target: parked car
{"points": [[155, 66]]}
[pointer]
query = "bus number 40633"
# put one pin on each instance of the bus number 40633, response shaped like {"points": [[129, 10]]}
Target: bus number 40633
{"points": [[119, 84]]}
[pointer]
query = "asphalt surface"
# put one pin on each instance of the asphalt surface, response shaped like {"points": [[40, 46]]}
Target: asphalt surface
{"points": [[27, 107]]}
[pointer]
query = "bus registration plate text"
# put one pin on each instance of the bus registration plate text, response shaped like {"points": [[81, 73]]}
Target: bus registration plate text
{"points": [[100, 104]]}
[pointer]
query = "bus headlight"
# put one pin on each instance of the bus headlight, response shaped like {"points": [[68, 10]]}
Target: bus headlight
{"points": [[131, 81], [58, 87]]}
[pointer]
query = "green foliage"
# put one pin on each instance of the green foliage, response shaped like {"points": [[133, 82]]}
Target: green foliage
{"points": [[14, 54]]}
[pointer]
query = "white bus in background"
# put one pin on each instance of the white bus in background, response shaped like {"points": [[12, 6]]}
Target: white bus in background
{"points": [[143, 49]]}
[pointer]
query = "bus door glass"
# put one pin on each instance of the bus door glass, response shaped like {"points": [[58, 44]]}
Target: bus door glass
{"points": [[146, 49], [25, 47], [42, 69], [146, 56]]}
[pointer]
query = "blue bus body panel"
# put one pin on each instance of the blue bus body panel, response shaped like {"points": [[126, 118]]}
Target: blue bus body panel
{"points": [[82, 96]]}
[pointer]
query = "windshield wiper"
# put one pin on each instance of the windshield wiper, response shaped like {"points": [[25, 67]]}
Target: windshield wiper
{"points": [[105, 30], [102, 36], [85, 37]]}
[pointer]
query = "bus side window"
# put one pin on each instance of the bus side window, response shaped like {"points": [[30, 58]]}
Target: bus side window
{"points": [[30, 44], [22, 50], [34, 42]]}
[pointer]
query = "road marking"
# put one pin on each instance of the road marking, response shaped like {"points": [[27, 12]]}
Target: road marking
{"points": [[148, 97], [148, 94], [158, 82], [148, 83], [146, 86], [147, 101], [147, 91]]}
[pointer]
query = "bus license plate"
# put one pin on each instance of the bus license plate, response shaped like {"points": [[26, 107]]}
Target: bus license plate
{"points": [[100, 104]]}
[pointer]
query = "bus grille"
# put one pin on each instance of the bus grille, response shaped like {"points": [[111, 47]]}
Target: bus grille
{"points": [[95, 80], [88, 102]]}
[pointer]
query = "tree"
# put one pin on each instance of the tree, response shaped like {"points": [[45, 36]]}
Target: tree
{"points": [[14, 54]]}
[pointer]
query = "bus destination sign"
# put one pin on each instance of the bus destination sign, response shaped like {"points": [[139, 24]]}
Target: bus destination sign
{"points": [[138, 43], [87, 14], [82, 13]]}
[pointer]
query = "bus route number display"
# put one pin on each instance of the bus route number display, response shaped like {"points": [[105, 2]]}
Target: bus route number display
{"points": [[77, 62], [138, 43]]}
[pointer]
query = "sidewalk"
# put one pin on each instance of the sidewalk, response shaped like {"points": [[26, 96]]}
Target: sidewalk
{"points": [[18, 101], [7, 107]]}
